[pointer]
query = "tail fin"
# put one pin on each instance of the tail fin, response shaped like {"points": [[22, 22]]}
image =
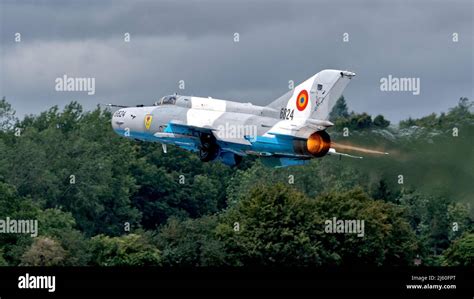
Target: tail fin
{"points": [[315, 97]]}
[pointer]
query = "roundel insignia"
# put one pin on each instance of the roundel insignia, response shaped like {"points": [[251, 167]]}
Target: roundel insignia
{"points": [[148, 119], [302, 100]]}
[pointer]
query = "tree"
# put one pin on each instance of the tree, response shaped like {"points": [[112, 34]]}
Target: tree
{"points": [[381, 122], [7, 115], [457, 116], [410, 122], [432, 217], [15, 207], [191, 242], [3, 262], [459, 220], [273, 225], [361, 121], [126, 250], [355, 121], [72, 173], [388, 238], [339, 110], [463, 109], [197, 189], [44, 252], [72, 159], [383, 191], [60, 226], [461, 252]]}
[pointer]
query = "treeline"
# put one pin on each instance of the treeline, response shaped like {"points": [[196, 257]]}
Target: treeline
{"points": [[104, 200], [458, 115], [341, 118]]}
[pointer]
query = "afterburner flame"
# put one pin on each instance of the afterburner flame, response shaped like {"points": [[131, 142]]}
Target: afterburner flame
{"points": [[339, 146], [318, 144]]}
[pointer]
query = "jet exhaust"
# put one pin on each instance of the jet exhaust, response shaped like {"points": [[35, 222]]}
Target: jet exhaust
{"points": [[340, 146], [317, 145]]}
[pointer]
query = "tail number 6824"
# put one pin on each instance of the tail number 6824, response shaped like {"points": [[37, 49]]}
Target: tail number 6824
{"points": [[286, 113]]}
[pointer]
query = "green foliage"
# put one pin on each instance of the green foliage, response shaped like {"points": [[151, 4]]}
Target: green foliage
{"points": [[126, 250], [44, 252], [383, 191], [60, 226], [436, 220], [7, 116], [15, 207], [343, 119], [355, 122], [459, 220], [277, 226], [457, 115], [388, 238], [339, 110], [381, 122], [191, 243], [3, 262], [61, 159], [164, 191], [319, 176], [73, 174], [461, 252]]}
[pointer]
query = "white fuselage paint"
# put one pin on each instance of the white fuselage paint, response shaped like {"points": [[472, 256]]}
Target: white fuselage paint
{"points": [[306, 85], [197, 117], [133, 120], [288, 127], [208, 104]]}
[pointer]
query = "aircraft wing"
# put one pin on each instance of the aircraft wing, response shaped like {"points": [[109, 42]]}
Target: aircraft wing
{"points": [[220, 135], [183, 125]]}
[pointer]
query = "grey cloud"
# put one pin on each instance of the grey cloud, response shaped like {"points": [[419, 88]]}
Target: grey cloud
{"points": [[193, 41], [63, 20]]}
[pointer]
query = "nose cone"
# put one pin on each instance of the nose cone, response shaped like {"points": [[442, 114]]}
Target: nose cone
{"points": [[133, 122]]}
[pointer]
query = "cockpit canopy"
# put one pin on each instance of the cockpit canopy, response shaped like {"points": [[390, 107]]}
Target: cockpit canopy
{"points": [[167, 100]]}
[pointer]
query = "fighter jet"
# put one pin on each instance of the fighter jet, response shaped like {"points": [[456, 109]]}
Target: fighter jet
{"points": [[289, 131]]}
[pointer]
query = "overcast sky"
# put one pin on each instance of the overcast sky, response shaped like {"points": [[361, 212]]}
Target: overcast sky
{"points": [[194, 41]]}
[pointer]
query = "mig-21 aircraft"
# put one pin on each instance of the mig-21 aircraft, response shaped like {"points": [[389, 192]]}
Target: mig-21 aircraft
{"points": [[289, 131]]}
